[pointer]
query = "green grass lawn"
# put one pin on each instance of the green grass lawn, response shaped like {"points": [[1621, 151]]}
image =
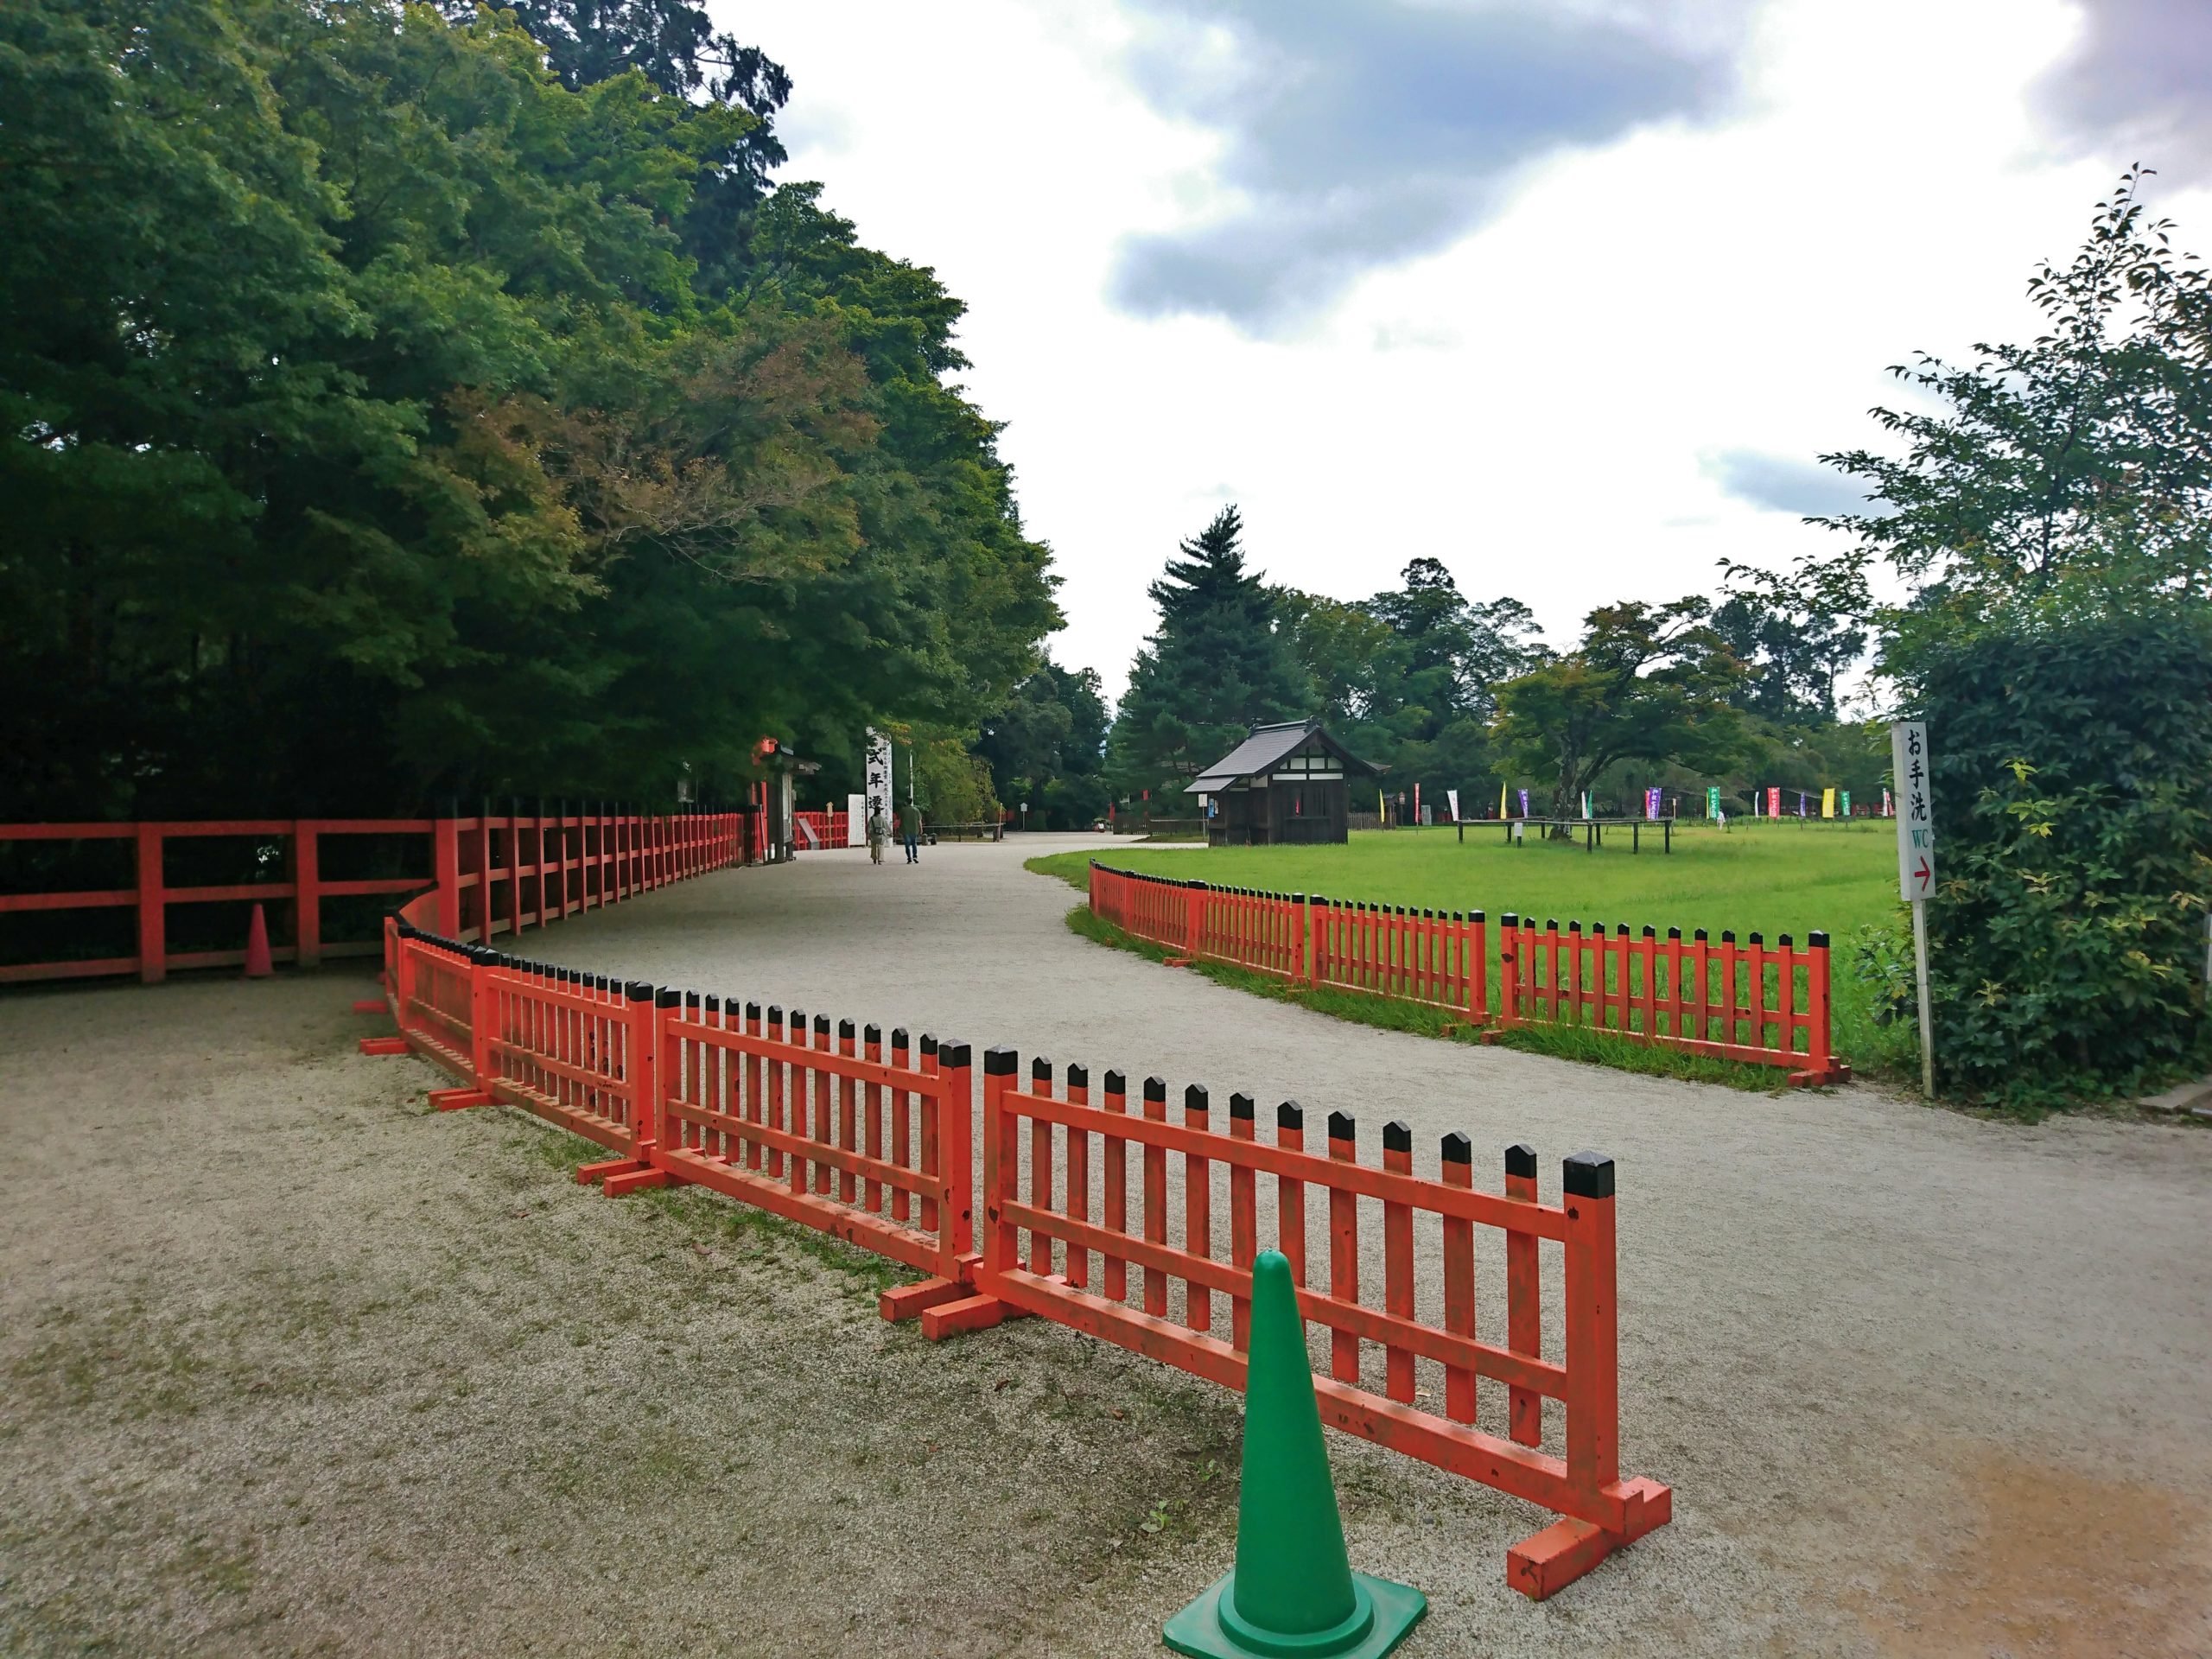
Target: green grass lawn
{"points": [[1768, 877]]}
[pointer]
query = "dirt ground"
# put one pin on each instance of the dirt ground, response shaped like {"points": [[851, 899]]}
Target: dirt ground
{"points": [[293, 1365]]}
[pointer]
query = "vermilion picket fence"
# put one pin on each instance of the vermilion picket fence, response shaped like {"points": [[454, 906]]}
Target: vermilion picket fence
{"points": [[1766, 1005], [492, 875], [1117, 1224], [1156, 1284]]}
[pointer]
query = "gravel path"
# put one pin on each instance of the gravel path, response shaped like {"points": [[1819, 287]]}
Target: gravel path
{"points": [[293, 1366]]}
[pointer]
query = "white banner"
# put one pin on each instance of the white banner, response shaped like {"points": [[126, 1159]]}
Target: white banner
{"points": [[1915, 809], [856, 820], [1452, 800], [879, 781]]}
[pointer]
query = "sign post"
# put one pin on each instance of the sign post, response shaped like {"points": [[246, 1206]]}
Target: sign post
{"points": [[1916, 865]]}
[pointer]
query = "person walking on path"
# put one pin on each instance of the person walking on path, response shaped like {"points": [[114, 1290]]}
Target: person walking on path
{"points": [[879, 833], [910, 825]]}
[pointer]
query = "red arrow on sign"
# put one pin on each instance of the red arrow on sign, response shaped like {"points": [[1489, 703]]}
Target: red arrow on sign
{"points": [[1922, 874]]}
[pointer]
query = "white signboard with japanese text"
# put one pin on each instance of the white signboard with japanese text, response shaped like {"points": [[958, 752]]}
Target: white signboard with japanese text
{"points": [[879, 780], [1915, 809]]}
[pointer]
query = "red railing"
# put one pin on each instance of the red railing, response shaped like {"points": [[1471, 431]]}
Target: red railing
{"points": [[1750, 1001], [491, 875], [1764, 1005], [1044, 1225], [828, 829], [872, 1142], [297, 882]]}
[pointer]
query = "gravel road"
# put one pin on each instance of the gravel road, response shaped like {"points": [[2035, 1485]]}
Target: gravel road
{"points": [[294, 1366]]}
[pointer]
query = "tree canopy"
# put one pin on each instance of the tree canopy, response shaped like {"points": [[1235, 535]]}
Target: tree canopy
{"points": [[1219, 663], [399, 407]]}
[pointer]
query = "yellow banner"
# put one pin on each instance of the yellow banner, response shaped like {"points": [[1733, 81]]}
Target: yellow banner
{"points": [[1827, 803]]}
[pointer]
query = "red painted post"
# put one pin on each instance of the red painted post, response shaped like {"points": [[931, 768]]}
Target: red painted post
{"points": [[1000, 1160], [932, 1163], [848, 1113], [647, 1011], [1310, 907], [1457, 1170], [481, 1003], [483, 874], [1509, 970], [1155, 1199], [1343, 1250], [872, 1109], [1040, 1167], [1078, 1187], [1198, 1210], [1243, 1220], [1116, 1187], [1592, 1331], [1398, 1262], [445, 852], [1478, 964], [902, 1149], [1524, 1308], [306, 893], [1820, 1053], [514, 865], [153, 908], [954, 1135], [1290, 1193]]}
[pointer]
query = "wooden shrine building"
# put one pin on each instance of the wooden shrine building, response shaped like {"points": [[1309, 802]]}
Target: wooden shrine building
{"points": [[1289, 782]]}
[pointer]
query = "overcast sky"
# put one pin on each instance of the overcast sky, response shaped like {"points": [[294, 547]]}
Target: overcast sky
{"points": [[1567, 295]]}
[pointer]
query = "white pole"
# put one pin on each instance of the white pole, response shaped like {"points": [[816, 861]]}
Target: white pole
{"points": [[1920, 971]]}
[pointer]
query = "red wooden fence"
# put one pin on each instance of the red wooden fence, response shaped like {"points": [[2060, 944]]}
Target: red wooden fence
{"points": [[492, 875], [873, 1143], [1767, 1005]]}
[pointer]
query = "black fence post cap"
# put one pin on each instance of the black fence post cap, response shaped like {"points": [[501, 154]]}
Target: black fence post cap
{"points": [[1290, 1115], [1078, 1076], [1156, 1089], [1001, 1062], [1040, 1069], [669, 997], [1240, 1106], [1116, 1082], [1194, 1097], [639, 990], [953, 1055], [1521, 1160], [872, 1033], [1341, 1126], [775, 1013], [929, 1043], [822, 1024], [1397, 1136], [1587, 1175], [844, 1029], [1457, 1149], [752, 1010]]}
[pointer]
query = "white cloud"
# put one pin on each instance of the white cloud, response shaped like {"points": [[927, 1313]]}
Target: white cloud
{"points": [[1537, 403]]}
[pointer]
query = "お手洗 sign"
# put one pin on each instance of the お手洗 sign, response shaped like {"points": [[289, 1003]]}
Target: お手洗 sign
{"points": [[1915, 810]]}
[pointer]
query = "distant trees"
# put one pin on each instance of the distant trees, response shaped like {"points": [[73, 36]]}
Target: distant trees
{"points": [[1219, 661], [1408, 677], [1046, 746], [1645, 683]]}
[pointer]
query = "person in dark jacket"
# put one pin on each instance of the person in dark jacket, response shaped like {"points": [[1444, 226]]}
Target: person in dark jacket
{"points": [[909, 826]]}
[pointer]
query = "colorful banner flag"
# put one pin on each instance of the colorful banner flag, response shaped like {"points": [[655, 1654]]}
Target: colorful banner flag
{"points": [[1586, 802], [1501, 800], [1774, 801], [1827, 803], [1650, 804], [1843, 810], [1524, 802], [1713, 800], [1888, 811], [1452, 800]]}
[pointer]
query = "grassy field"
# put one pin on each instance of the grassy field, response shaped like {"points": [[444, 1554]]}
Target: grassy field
{"points": [[1771, 879]]}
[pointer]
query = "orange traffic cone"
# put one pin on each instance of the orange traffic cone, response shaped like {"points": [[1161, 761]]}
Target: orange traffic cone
{"points": [[257, 946]]}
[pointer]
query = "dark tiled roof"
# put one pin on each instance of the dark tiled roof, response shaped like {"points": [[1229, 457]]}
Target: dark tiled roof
{"points": [[1262, 749]]}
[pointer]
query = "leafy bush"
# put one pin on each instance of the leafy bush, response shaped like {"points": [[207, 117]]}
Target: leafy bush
{"points": [[1881, 956], [2073, 793]]}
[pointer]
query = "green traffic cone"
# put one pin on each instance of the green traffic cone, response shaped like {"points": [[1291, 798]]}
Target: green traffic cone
{"points": [[1293, 1591]]}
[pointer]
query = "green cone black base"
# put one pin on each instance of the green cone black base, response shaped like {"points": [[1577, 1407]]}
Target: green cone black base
{"points": [[1294, 1594]]}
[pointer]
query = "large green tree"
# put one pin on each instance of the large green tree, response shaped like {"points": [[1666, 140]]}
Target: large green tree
{"points": [[1645, 683], [1047, 747], [1219, 663], [378, 428]]}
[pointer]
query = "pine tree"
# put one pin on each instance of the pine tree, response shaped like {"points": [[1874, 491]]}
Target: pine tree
{"points": [[1218, 663]]}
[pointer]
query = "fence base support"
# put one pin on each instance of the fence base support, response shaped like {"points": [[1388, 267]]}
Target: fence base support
{"points": [[1838, 1072], [384, 1046], [969, 1314], [1566, 1550], [911, 1302], [625, 1181], [593, 1174], [371, 1005], [456, 1100]]}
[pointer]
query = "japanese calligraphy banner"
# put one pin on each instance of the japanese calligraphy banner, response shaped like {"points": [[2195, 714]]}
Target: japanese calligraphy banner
{"points": [[1713, 800], [1773, 803], [1916, 811], [1827, 803]]}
